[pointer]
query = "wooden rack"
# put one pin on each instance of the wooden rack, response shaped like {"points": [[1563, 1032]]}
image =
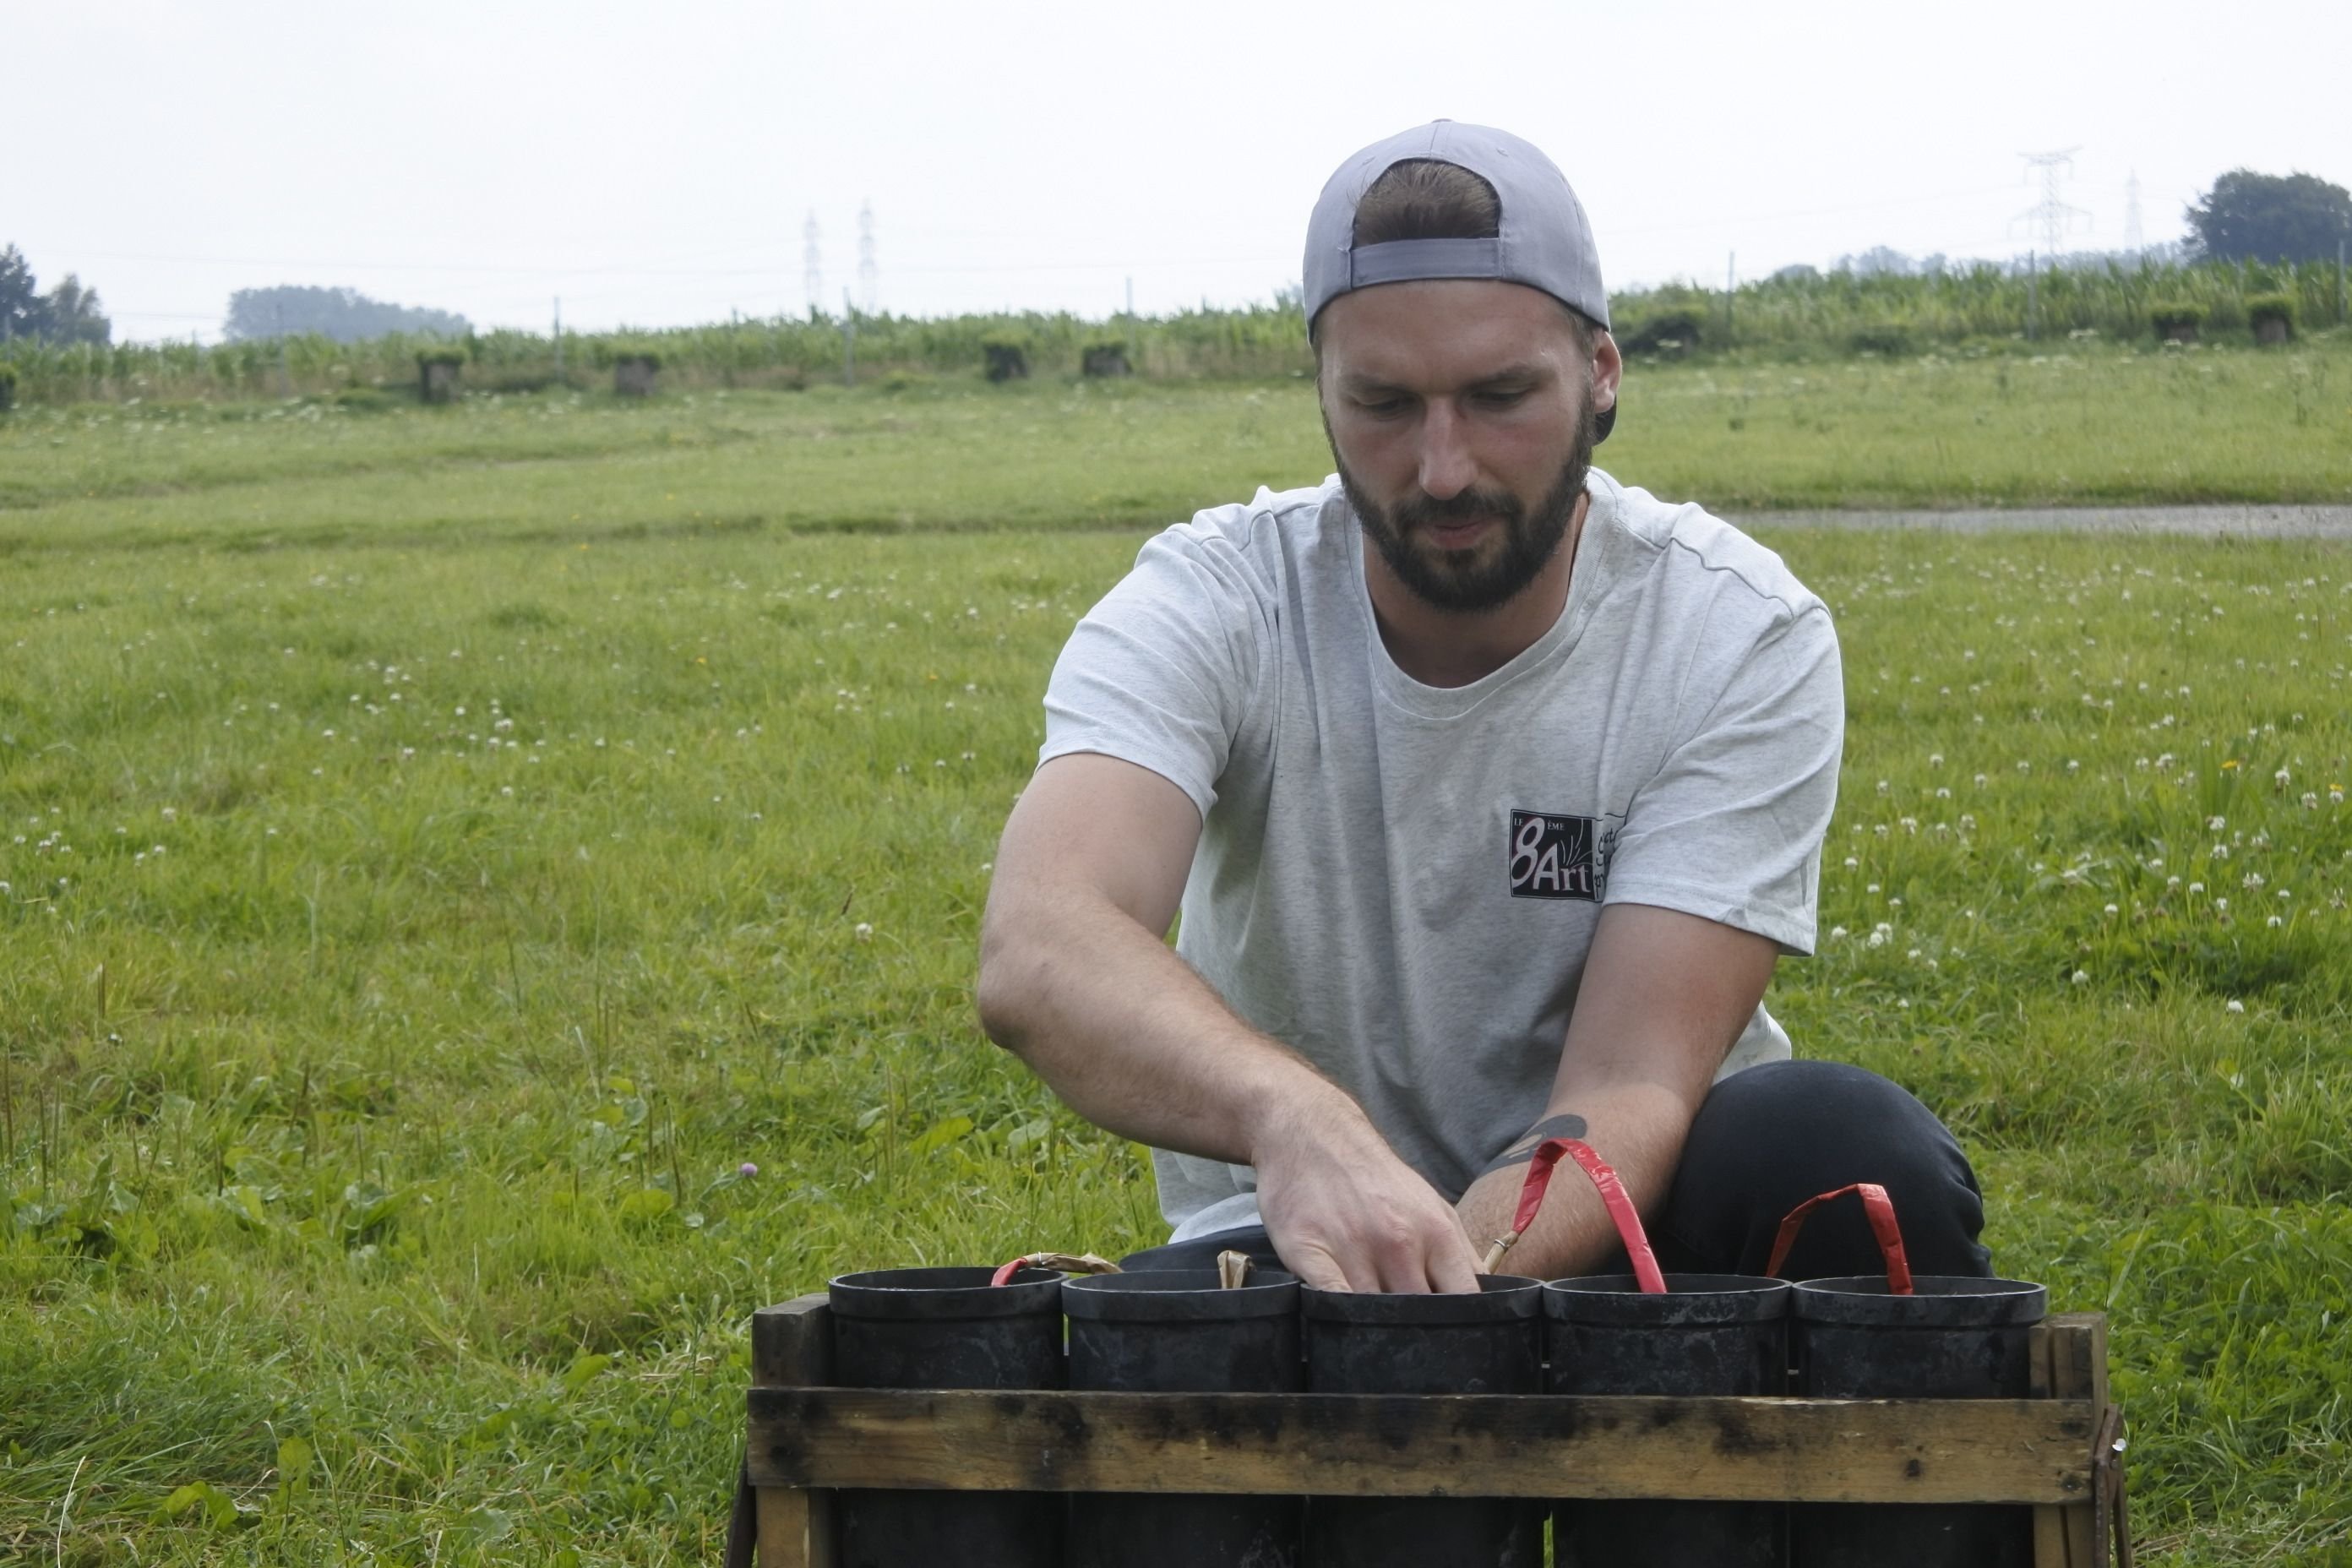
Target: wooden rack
{"points": [[2054, 1451]]}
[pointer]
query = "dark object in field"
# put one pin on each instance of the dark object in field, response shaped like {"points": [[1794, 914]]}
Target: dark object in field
{"points": [[437, 375], [2272, 316], [1670, 334], [1006, 361], [2176, 321], [1950, 1339], [1708, 1334], [633, 376], [1105, 360], [1183, 1332], [1378, 1343], [948, 1328]]}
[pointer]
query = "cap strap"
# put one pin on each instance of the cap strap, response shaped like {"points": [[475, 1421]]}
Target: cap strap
{"points": [[1403, 260]]}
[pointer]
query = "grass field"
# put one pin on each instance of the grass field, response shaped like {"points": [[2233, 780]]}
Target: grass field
{"points": [[2101, 426], [440, 856]]}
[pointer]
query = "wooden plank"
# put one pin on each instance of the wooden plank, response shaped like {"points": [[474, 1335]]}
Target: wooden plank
{"points": [[2078, 1372], [792, 1347], [1814, 1450], [796, 1528], [2049, 1520]]}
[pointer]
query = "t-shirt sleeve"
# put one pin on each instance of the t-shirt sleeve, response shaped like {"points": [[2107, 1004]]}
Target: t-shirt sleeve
{"points": [[1160, 673], [1731, 827]]}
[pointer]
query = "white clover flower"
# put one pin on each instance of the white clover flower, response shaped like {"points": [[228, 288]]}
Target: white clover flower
{"points": [[2274, 922], [2236, 1006], [2112, 909], [863, 932], [2082, 977]]}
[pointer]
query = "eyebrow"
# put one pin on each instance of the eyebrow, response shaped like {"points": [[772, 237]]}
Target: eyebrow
{"points": [[1530, 371]]}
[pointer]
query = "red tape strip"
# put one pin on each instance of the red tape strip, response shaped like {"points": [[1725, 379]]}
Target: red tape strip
{"points": [[1614, 1197], [1005, 1275], [1878, 1208]]}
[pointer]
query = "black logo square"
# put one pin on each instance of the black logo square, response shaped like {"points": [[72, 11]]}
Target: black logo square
{"points": [[1554, 857]]}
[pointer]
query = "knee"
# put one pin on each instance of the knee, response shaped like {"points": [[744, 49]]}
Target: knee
{"points": [[1776, 1134]]}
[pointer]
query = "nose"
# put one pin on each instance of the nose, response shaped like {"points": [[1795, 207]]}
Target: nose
{"points": [[1447, 469]]}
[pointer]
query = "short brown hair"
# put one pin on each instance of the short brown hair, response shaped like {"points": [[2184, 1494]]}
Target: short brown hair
{"points": [[1426, 198], [1423, 198]]}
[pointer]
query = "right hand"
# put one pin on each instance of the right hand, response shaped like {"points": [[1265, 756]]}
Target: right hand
{"points": [[1346, 1214]]}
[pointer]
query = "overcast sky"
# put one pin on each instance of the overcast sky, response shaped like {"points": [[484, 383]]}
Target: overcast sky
{"points": [[655, 165]]}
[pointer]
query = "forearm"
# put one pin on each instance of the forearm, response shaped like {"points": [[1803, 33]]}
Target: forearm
{"points": [[1133, 1040], [1638, 1127]]}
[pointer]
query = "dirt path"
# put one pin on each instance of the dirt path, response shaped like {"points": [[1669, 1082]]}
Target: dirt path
{"points": [[2241, 521]]}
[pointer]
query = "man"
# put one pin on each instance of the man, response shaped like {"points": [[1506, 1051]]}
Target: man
{"points": [[1491, 790]]}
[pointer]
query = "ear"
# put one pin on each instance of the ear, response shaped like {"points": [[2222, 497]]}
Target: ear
{"points": [[1608, 370]]}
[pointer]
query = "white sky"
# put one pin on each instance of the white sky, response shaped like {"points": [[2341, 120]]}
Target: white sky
{"points": [[655, 164]]}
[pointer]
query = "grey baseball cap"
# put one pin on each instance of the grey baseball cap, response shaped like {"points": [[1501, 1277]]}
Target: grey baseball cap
{"points": [[1545, 241]]}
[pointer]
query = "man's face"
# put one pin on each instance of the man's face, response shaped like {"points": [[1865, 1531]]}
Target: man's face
{"points": [[1461, 413]]}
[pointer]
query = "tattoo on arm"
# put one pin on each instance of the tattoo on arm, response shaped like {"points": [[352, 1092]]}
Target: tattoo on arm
{"points": [[1570, 1125]]}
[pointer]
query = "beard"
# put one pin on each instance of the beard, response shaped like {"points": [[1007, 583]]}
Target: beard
{"points": [[1464, 582]]}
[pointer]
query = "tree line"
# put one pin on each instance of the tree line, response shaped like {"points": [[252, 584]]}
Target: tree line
{"points": [[68, 313]]}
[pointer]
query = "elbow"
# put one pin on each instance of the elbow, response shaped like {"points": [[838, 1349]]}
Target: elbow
{"points": [[1004, 990]]}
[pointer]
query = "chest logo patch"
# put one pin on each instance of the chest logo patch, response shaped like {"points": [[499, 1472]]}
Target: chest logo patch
{"points": [[1555, 857]]}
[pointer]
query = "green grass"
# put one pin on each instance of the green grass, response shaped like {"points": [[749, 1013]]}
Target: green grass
{"points": [[2100, 425], [372, 1154]]}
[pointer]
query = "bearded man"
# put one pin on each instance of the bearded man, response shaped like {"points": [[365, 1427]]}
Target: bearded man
{"points": [[1491, 790]]}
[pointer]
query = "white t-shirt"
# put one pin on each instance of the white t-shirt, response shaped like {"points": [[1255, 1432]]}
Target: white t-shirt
{"points": [[1402, 882]]}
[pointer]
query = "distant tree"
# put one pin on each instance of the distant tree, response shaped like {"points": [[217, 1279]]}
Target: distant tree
{"points": [[20, 298], [2248, 216], [70, 314], [1878, 261], [345, 315], [1797, 272]]}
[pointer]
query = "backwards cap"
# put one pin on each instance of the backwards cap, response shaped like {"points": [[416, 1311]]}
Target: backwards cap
{"points": [[1544, 241]]}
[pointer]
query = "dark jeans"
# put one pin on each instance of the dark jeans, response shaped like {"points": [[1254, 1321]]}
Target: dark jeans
{"points": [[1765, 1141]]}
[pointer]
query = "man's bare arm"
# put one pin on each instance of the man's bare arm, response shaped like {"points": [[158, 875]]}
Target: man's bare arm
{"points": [[1077, 979], [1664, 996]]}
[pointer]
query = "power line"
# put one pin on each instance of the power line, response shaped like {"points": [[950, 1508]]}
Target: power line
{"points": [[2053, 216], [813, 264], [868, 281]]}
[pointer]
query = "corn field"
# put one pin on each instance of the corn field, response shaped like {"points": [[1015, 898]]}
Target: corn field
{"points": [[1834, 314]]}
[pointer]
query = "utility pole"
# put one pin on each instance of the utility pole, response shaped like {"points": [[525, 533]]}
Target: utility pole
{"points": [[1730, 288], [2051, 215], [284, 380], [2031, 304], [848, 341], [559, 338], [812, 264], [869, 274], [2132, 239]]}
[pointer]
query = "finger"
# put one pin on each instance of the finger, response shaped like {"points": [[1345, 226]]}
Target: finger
{"points": [[1402, 1263], [1453, 1267], [1314, 1265]]}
